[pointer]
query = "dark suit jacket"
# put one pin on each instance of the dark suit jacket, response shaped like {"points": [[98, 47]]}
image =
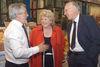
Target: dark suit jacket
{"points": [[88, 36]]}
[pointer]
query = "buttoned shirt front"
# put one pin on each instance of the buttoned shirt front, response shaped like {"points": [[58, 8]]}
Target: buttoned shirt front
{"points": [[15, 44]]}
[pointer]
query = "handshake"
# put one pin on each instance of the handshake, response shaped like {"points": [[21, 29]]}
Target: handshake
{"points": [[43, 47]]}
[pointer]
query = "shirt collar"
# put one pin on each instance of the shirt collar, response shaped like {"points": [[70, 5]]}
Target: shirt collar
{"points": [[77, 19], [17, 22]]}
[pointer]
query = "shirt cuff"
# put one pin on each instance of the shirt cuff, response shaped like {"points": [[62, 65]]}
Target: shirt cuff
{"points": [[35, 49]]}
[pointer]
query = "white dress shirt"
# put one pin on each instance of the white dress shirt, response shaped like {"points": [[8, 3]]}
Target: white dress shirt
{"points": [[78, 47], [15, 44]]}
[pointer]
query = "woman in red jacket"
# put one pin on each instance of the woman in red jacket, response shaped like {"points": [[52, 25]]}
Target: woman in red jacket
{"points": [[51, 35]]}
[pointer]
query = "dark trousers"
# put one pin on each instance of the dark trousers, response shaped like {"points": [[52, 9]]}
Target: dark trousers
{"points": [[80, 59], [10, 64]]}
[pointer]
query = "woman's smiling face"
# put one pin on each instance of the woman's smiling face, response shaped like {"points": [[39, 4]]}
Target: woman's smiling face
{"points": [[45, 21]]}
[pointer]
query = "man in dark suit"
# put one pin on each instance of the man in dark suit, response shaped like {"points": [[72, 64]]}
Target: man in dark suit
{"points": [[84, 37]]}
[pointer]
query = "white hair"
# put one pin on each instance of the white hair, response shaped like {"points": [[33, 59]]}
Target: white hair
{"points": [[16, 8]]}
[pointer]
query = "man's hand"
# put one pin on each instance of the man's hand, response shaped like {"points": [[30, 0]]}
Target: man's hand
{"points": [[43, 47]]}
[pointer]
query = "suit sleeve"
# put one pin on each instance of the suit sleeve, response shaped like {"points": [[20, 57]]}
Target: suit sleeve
{"points": [[94, 32]]}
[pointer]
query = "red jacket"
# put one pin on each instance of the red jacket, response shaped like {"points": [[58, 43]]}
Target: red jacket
{"points": [[57, 42]]}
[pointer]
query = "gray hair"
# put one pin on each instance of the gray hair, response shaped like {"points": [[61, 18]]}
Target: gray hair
{"points": [[15, 9], [76, 4]]}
